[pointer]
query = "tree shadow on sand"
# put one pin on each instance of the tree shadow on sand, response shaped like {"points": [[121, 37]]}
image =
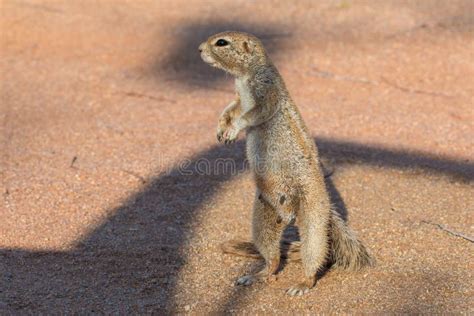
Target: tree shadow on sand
{"points": [[130, 263], [184, 62]]}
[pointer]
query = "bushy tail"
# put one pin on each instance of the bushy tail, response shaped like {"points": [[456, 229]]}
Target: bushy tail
{"points": [[347, 252]]}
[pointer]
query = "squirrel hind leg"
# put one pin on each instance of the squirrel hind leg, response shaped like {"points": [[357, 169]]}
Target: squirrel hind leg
{"points": [[267, 229], [314, 246], [267, 273]]}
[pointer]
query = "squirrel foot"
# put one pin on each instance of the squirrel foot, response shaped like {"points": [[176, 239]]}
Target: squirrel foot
{"points": [[246, 280], [250, 279], [301, 288], [298, 290]]}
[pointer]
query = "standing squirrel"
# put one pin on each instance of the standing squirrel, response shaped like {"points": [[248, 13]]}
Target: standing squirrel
{"points": [[284, 161]]}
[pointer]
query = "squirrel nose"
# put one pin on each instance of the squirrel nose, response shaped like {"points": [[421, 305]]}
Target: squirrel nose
{"points": [[201, 47]]}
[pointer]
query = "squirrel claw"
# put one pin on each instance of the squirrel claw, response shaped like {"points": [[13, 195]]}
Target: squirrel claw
{"points": [[228, 136], [229, 141], [297, 290], [246, 280]]}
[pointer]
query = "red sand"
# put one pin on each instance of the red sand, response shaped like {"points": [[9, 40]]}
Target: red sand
{"points": [[99, 99]]}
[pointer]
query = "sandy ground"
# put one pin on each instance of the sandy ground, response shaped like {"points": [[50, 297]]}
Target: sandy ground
{"points": [[108, 118]]}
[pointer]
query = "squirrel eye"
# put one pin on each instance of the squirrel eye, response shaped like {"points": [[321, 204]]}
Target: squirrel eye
{"points": [[222, 42]]}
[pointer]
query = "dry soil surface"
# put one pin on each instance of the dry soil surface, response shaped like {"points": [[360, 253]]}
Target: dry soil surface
{"points": [[113, 199]]}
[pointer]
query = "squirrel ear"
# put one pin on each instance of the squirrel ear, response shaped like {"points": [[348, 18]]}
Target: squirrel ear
{"points": [[247, 47]]}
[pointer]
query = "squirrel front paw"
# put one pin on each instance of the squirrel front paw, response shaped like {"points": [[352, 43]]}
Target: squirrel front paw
{"points": [[228, 134]]}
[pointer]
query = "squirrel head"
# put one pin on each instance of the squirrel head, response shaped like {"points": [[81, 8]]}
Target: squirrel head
{"points": [[234, 52]]}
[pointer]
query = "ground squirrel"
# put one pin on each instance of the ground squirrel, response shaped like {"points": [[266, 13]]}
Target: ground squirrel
{"points": [[284, 160]]}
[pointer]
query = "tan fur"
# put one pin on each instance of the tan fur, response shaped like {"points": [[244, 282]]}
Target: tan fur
{"points": [[284, 160], [347, 253]]}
